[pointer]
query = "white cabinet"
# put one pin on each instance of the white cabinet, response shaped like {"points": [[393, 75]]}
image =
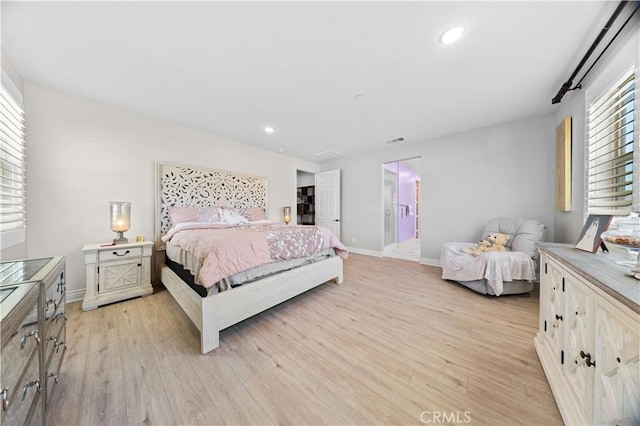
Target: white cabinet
{"points": [[617, 371], [578, 342], [551, 321], [589, 337], [116, 272]]}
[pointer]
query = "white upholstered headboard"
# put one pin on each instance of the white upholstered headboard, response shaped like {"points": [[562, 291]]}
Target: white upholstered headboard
{"points": [[192, 186]]}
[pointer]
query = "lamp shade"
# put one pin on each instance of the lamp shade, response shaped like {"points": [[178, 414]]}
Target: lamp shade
{"points": [[286, 214], [120, 219]]}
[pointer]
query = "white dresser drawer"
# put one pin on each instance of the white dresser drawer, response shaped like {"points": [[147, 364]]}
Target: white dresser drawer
{"points": [[120, 253]]}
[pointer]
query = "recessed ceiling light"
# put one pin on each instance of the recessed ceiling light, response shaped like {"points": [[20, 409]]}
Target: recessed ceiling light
{"points": [[269, 129], [452, 34]]}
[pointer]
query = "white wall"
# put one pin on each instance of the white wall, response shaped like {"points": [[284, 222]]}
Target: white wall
{"points": [[82, 154], [305, 178], [567, 225], [503, 170], [625, 52], [467, 178]]}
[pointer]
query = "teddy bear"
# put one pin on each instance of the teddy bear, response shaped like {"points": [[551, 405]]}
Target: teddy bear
{"points": [[497, 241], [480, 248]]}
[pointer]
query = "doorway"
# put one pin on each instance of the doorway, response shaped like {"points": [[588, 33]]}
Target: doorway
{"points": [[390, 203], [305, 197], [401, 197], [318, 199]]}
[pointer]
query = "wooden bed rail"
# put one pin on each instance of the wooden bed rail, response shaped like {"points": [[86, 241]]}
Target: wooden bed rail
{"points": [[221, 310]]}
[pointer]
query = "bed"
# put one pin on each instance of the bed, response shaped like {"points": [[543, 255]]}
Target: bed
{"points": [[220, 294]]}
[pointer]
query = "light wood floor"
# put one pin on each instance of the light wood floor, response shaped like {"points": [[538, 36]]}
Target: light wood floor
{"points": [[393, 344]]}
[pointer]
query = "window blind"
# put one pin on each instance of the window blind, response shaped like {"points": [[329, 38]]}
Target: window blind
{"points": [[12, 164], [610, 146]]}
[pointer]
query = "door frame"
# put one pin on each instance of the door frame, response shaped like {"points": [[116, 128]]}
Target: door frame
{"points": [[420, 204]]}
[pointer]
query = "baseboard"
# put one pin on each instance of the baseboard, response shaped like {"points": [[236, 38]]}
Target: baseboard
{"points": [[430, 261], [78, 295], [75, 295]]}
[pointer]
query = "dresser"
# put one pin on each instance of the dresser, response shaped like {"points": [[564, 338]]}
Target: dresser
{"points": [[589, 335], [116, 272], [33, 322]]}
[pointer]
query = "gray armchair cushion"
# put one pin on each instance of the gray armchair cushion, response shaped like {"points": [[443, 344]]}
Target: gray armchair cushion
{"points": [[523, 233]]}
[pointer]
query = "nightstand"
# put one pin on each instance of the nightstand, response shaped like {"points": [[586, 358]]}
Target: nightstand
{"points": [[116, 272]]}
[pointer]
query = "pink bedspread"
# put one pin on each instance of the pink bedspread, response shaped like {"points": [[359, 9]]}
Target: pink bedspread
{"points": [[225, 250]]}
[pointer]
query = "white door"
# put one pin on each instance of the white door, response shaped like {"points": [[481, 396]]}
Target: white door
{"points": [[328, 200], [390, 196]]}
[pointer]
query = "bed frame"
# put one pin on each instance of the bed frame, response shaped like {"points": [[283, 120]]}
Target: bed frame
{"points": [[187, 186]]}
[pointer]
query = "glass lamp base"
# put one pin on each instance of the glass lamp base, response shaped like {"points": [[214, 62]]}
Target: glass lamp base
{"points": [[120, 239]]}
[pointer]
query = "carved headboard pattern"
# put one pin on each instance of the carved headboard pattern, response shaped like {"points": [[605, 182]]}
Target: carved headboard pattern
{"points": [[188, 186]]}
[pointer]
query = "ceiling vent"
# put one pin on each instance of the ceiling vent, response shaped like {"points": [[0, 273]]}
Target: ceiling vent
{"points": [[396, 140], [327, 155]]}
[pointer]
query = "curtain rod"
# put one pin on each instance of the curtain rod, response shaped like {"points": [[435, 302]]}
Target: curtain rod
{"points": [[567, 85]]}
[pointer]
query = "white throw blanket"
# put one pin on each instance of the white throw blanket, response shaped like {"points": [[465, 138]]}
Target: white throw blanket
{"points": [[495, 267]]}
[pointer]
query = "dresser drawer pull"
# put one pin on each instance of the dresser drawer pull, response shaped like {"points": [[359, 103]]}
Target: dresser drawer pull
{"points": [[33, 333], [35, 383], [5, 399], [53, 339], [52, 302], [61, 343], [60, 315], [54, 375], [115, 253]]}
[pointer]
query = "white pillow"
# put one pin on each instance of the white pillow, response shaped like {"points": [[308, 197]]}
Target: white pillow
{"points": [[208, 214], [231, 217]]}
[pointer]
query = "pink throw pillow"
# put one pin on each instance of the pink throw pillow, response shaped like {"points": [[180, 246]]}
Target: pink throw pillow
{"points": [[182, 214], [257, 213]]}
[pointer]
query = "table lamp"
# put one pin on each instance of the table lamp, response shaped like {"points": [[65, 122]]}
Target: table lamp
{"points": [[120, 220]]}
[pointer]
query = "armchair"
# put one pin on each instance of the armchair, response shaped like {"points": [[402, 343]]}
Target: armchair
{"points": [[509, 272]]}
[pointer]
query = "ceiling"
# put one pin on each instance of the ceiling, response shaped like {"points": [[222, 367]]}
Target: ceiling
{"points": [[232, 68]]}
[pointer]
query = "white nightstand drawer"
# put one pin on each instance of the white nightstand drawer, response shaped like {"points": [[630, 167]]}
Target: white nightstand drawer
{"points": [[120, 253]]}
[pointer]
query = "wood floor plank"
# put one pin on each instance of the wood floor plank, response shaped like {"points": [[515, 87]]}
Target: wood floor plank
{"points": [[70, 393], [146, 399], [394, 344], [103, 396]]}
